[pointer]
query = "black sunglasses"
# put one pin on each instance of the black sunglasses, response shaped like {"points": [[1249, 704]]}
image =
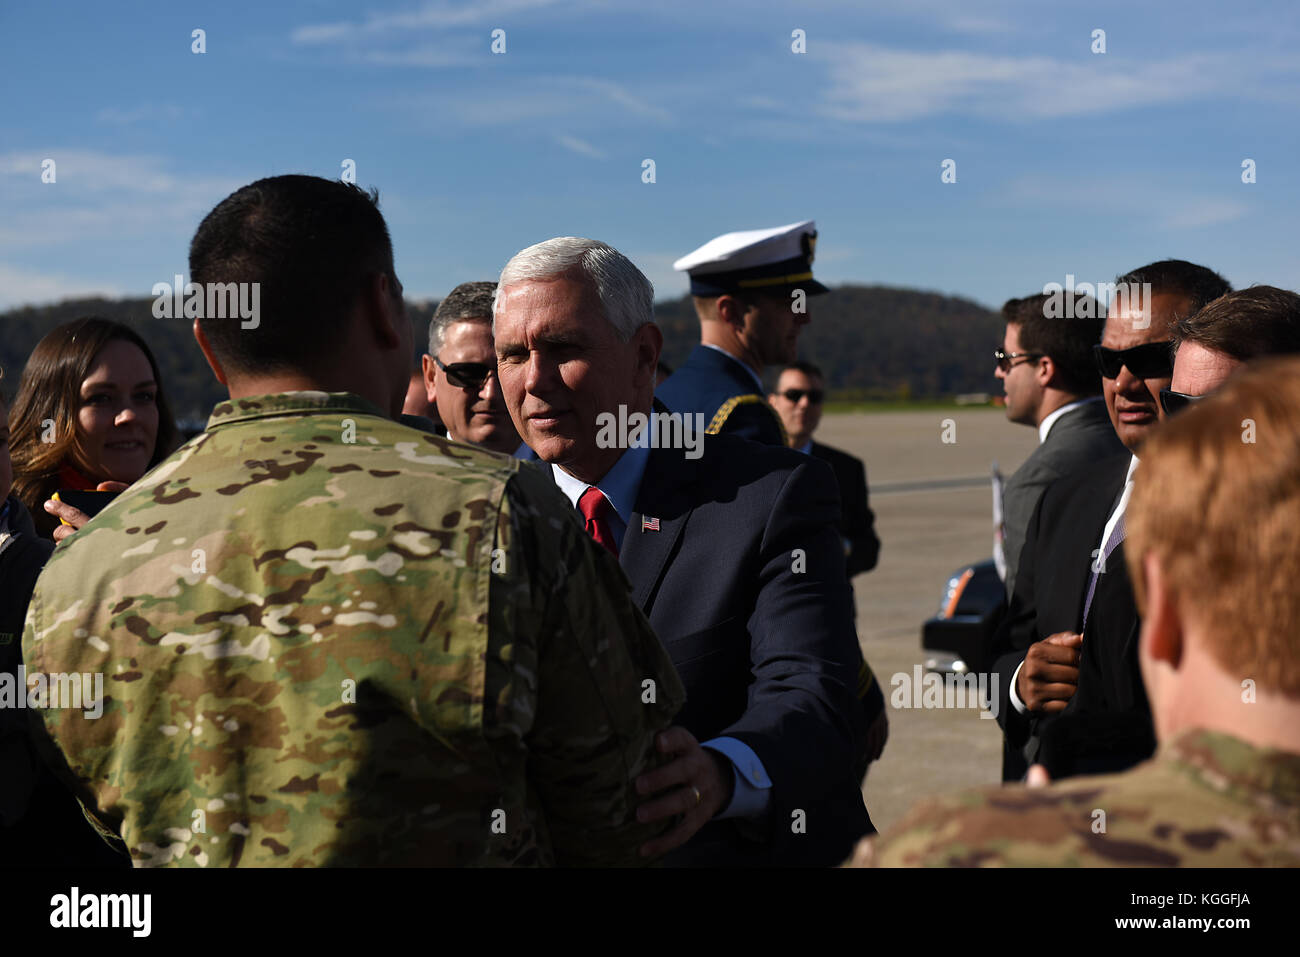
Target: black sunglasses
{"points": [[1174, 402], [815, 396], [1004, 358], [1154, 360], [466, 375]]}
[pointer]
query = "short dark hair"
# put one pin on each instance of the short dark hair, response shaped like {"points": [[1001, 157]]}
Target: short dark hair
{"points": [[311, 244], [469, 300], [1253, 322], [1067, 338], [1199, 284], [807, 368]]}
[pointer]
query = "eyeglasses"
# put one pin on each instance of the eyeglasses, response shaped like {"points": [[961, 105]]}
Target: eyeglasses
{"points": [[1151, 361], [1004, 358], [466, 375], [1174, 402], [815, 396]]}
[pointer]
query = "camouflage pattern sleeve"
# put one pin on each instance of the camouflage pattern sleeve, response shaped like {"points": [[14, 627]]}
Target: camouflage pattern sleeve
{"points": [[604, 684]]}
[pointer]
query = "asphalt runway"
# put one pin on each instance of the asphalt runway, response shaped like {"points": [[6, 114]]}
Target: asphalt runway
{"points": [[933, 505]]}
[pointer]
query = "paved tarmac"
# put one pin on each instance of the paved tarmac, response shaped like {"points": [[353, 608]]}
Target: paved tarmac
{"points": [[933, 506]]}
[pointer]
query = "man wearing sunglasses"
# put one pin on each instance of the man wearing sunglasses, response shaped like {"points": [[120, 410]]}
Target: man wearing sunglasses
{"points": [[460, 370], [1235, 329], [798, 397], [1065, 607], [1051, 383]]}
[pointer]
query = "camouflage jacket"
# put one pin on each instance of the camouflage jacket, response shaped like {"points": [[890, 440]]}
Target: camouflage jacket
{"points": [[330, 639], [1205, 800]]}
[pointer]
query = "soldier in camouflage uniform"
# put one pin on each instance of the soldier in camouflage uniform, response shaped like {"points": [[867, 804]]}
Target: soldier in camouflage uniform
{"points": [[1205, 800], [330, 639], [1223, 789]]}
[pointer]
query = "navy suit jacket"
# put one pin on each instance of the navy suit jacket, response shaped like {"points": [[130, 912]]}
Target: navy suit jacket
{"points": [[744, 584], [712, 383]]}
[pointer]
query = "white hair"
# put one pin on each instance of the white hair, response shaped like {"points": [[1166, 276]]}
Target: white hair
{"points": [[626, 296]]}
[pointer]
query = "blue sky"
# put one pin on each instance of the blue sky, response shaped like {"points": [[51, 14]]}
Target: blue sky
{"points": [[1067, 161]]}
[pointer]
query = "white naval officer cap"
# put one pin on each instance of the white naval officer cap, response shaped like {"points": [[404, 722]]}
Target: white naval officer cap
{"points": [[754, 259]]}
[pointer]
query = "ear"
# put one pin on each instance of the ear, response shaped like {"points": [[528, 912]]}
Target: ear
{"points": [[206, 348], [731, 310], [378, 313], [649, 342], [1046, 371], [430, 380], [1162, 625]]}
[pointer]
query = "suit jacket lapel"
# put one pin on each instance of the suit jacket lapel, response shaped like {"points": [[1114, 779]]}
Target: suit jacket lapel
{"points": [[665, 495]]}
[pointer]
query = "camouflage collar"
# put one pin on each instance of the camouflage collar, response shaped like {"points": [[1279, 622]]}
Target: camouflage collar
{"points": [[290, 403], [1225, 763]]}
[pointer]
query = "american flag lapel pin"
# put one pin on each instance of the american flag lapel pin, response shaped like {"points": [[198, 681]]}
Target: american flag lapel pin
{"points": [[649, 524]]}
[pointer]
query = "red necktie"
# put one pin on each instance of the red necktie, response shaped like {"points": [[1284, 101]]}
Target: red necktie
{"points": [[594, 508]]}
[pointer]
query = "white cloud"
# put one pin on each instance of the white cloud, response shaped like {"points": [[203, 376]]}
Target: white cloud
{"points": [[23, 287], [581, 147], [1205, 212], [100, 196], [430, 16], [871, 83]]}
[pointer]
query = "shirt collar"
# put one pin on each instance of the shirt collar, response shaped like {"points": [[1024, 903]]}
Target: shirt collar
{"points": [[806, 448], [290, 403], [758, 383], [1046, 425], [1132, 467], [620, 484]]}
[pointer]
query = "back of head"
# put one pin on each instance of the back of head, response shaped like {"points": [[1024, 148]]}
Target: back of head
{"points": [[43, 417], [1246, 324], [626, 295], [1180, 278], [469, 300], [1067, 338], [1217, 500], [310, 244]]}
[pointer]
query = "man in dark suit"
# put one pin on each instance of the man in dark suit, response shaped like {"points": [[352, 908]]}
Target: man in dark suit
{"points": [[731, 552], [1051, 382], [798, 397], [1064, 606], [750, 290], [1107, 724]]}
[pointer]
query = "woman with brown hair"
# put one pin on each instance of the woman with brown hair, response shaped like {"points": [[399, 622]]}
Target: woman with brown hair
{"points": [[90, 408]]}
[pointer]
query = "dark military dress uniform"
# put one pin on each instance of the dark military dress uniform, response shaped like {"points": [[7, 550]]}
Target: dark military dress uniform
{"points": [[713, 382], [723, 389]]}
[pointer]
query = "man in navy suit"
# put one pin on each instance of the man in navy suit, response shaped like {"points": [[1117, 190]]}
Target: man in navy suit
{"points": [[731, 551], [750, 291]]}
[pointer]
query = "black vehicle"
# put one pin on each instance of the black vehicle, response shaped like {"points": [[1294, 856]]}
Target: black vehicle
{"points": [[960, 636]]}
